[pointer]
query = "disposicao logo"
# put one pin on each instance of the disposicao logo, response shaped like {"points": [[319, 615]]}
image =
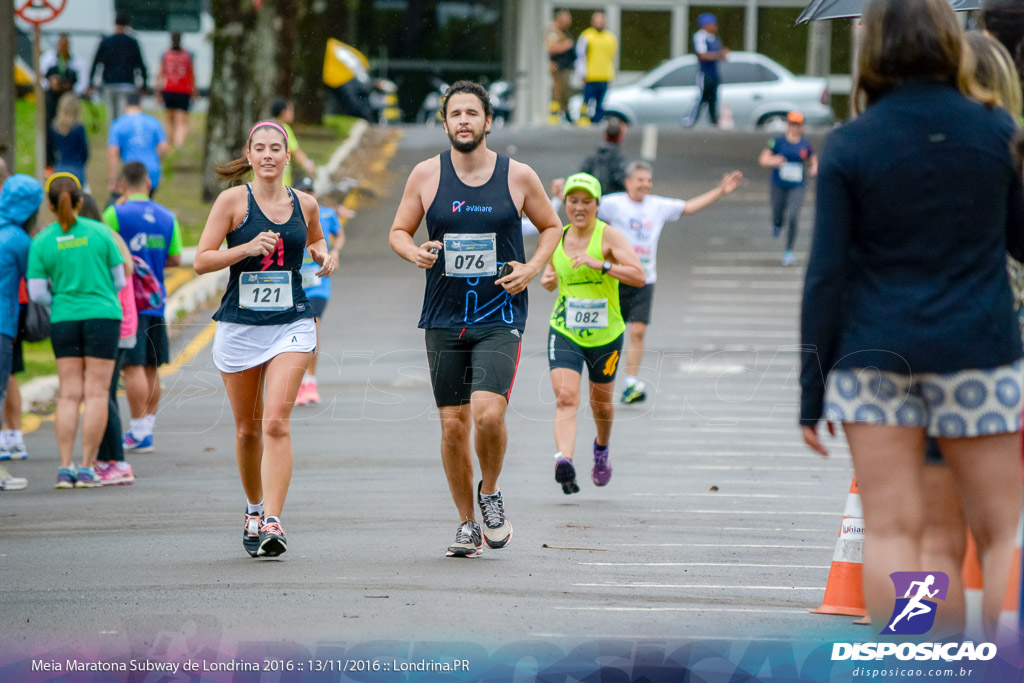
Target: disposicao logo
{"points": [[913, 615]]}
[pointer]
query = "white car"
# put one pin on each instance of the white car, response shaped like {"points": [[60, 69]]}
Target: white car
{"points": [[759, 91]]}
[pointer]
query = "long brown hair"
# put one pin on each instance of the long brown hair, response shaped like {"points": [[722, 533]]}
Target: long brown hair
{"points": [[65, 195], [992, 65], [236, 169], [906, 41]]}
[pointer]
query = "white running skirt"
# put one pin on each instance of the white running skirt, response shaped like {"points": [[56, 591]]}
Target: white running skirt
{"points": [[240, 347]]}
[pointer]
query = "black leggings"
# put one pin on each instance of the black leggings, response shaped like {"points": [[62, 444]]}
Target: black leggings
{"points": [[786, 203], [111, 447]]}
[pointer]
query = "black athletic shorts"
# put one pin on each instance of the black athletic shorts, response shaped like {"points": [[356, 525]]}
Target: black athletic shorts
{"points": [[319, 305], [176, 100], [635, 303], [19, 354], [602, 361], [151, 346], [95, 338], [466, 359]]}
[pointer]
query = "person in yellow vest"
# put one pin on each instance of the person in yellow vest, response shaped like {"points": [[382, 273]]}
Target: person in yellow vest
{"points": [[586, 323], [595, 63]]}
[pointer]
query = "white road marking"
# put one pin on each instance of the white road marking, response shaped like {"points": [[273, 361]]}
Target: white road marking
{"points": [[704, 564], [721, 545], [639, 584]]}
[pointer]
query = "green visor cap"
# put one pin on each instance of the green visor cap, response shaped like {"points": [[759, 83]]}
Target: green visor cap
{"points": [[585, 182]]}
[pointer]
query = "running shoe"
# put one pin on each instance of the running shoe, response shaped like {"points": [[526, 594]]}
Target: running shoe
{"points": [[776, 230], [788, 258], [144, 445], [602, 472], [86, 478], [468, 541], [312, 395], [633, 395], [14, 451], [9, 483], [112, 475], [300, 398], [251, 533], [66, 478], [272, 541], [497, 531], [565, 474]]}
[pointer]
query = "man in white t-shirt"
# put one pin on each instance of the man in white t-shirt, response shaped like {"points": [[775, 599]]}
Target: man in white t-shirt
{"points": [[641, 216]]}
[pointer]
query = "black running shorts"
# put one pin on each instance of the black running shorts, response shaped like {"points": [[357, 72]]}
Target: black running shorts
{"points": [[152, 348], [319, 305], [602, 361], [95, 338], [635, 303], [466, 359]]}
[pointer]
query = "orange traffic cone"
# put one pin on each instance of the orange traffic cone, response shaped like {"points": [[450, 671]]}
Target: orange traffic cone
{"points": [[725, 121], [844, 593], [1010, 617], [973, 585]]}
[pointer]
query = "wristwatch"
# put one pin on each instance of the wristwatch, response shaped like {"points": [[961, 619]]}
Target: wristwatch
{"points": [[606, 266]]}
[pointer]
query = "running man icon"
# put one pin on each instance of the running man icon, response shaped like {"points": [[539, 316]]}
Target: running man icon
{"points": [[919, 586]]}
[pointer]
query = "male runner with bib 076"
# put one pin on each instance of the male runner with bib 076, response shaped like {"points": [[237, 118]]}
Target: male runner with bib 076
{"points": [[265, 332], [474, 318]]}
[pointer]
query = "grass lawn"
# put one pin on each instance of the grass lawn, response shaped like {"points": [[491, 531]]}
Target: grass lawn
{"points": [[179, 189]]}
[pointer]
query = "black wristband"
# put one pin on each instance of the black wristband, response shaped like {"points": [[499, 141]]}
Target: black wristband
{"points": [[606, 266]]}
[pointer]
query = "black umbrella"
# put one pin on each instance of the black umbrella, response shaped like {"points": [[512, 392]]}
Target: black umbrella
{"points": [[842, 9]]}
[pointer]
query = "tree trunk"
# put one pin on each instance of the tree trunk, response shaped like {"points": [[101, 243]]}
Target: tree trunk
{"points": [[7, 89], [285, 25], [317, 22], [243, 82]]}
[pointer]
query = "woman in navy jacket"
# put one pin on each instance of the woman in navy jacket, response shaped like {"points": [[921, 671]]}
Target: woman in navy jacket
{"points": [[907, 325]]}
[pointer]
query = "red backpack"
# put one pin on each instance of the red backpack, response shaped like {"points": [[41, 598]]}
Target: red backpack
{"points": [[178, 76], [148, 292]]}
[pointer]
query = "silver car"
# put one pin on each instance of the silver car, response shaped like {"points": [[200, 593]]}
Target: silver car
{"points": [[758, 90]]}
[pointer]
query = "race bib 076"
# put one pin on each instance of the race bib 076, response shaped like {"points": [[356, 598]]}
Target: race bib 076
{"points": [[470, 255]]}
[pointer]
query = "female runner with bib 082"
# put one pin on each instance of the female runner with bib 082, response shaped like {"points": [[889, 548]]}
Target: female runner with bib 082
{"points": [[265, 328]]}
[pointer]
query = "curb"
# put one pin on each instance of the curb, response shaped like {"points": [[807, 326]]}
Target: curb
{"points": [[199, 289]]}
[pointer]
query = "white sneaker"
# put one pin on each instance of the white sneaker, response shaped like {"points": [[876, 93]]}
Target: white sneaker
{"points": [[9, 483], [15, 451]]}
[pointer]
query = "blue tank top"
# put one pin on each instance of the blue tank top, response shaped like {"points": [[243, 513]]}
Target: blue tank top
{"points": [[148, 229], [458, 209], [286, 258]]}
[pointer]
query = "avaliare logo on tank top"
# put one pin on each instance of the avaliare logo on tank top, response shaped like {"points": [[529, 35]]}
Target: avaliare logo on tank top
{"points": [[459, 207]]}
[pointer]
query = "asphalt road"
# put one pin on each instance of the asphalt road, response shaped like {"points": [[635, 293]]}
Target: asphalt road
{"points": [[717, 524]]}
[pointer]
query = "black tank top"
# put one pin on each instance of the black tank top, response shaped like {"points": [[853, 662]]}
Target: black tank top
{"points": [[262, 290], [452, 302]]}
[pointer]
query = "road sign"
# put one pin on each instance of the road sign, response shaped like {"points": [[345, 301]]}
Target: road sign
{"points": [[39, 12]]}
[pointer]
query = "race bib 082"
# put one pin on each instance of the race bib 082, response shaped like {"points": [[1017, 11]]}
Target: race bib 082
{"points": [[586, 314]]}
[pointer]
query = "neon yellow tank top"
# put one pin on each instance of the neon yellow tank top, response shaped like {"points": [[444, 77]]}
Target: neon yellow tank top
{"points": [[587, 310]]}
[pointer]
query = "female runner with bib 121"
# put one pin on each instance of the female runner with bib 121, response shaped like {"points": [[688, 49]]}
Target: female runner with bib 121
{"points": [[265, 328]]}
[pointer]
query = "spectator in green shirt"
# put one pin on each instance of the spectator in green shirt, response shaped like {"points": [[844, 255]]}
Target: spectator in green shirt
{"points": [[74, 266]]}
